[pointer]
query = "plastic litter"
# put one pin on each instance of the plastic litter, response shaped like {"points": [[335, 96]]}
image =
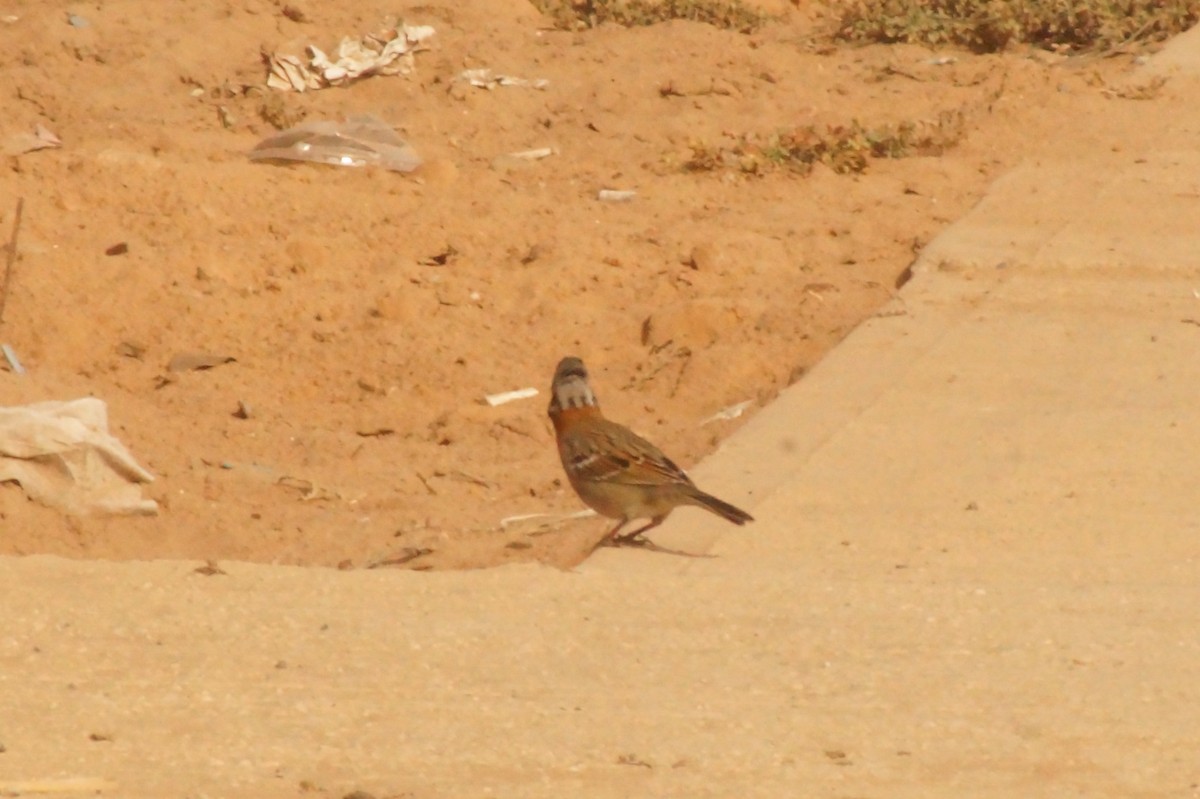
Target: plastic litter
{"points": [[42, 138], [358, 141], [63, 456], [533, 155], [731, 412], [389, 52], [554, 518], [486, 79], [510, 396], [616, 195], [13, 362]]}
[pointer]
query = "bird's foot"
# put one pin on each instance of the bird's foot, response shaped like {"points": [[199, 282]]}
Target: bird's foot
{"points": [[639, 541]]}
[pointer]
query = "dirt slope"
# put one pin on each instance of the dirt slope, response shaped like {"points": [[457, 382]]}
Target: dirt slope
{"points": [[369, 312]]}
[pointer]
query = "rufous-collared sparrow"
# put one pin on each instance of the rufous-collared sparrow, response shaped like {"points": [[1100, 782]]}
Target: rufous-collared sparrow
{"points": [[615, 471]]}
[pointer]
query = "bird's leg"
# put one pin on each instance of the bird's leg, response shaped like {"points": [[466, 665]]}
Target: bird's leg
{"points": [[610, 536], [636, 536], [635, 539]]}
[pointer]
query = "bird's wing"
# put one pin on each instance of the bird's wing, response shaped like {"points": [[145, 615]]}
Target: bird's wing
{"points": [[608, 452]]}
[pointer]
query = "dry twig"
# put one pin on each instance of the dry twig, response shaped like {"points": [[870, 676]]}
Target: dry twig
{"points": [[11, 258]]}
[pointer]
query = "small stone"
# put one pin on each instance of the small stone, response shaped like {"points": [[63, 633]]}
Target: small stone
{"points": [[294, 12], [131, 349], [706, 257]]}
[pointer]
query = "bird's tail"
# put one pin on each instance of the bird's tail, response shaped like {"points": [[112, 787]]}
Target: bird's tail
{"points": [[721, 508]]}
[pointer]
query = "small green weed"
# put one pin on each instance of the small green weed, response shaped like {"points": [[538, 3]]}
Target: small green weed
{"points": [[845, 149], [988, 26], [580, 14]]}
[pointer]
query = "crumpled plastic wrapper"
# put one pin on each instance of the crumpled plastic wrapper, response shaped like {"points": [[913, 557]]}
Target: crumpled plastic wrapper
{"points": [[486, 79], [42, 138], [358, 141], [63, 456], [387, 53]]}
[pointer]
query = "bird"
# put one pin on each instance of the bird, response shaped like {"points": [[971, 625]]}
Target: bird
{"points": [[616, 472]]}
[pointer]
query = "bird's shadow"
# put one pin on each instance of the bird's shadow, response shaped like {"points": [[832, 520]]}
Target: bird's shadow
{"points": [[640, 542]]}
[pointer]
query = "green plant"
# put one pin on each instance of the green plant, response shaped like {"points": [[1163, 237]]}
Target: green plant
{"points": [[992, 25], [579, 14], [845, 149]]}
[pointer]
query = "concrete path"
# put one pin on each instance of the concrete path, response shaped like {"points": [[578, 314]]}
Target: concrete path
{"points": [[975, 572]]}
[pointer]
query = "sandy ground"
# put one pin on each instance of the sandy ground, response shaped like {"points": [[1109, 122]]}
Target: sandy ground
{"points": [[974, 570], [362, 351]]}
